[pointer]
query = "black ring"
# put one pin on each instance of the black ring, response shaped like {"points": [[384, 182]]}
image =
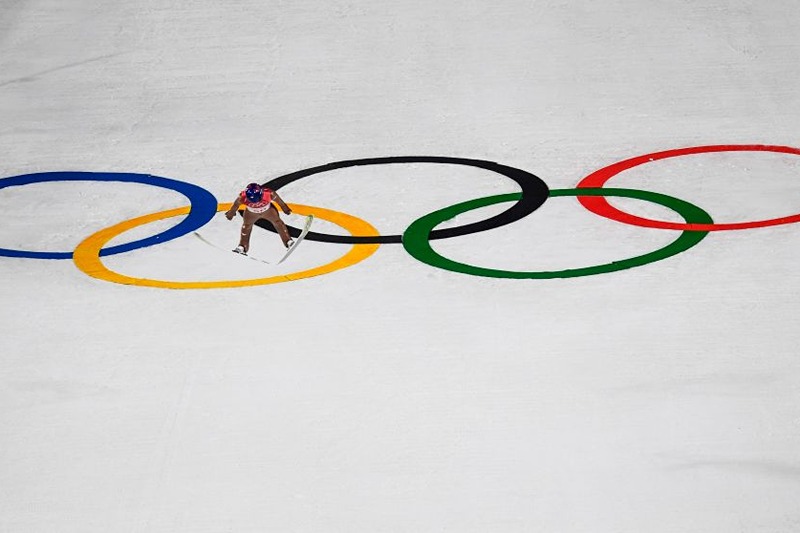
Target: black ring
{"points": [[534, 194]]}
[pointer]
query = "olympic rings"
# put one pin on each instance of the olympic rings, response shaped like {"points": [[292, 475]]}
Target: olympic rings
{"points": [[87, 257], [600, 206], [416, 239], [534, 194], [416, 243], [203, 207]]}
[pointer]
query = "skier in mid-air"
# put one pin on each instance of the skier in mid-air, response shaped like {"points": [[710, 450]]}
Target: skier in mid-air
{"points": [[258, 205]]}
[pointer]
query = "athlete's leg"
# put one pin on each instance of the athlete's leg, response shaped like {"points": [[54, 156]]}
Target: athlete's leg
{"points": [[247, 228], [274, 218]]}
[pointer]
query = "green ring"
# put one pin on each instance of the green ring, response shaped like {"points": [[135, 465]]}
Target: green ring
{"points": [[416, 243]]}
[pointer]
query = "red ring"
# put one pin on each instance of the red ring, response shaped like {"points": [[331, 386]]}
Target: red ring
{"points": [[600, 206]]}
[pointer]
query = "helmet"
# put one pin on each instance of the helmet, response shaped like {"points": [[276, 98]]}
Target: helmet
{"points": [[254, 192]]}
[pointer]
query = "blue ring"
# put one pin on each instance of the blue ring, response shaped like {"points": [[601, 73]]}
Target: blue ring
{"points": [[203, 208]]}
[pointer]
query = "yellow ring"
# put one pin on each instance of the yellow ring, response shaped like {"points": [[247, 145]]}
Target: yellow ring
{"points": [[87, 253]]}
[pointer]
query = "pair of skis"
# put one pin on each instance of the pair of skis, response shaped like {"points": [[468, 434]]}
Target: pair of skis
{"points": [[295, 244]]}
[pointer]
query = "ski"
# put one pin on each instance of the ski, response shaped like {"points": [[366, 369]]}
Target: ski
{"points": [[309, 220], [218, 247]]}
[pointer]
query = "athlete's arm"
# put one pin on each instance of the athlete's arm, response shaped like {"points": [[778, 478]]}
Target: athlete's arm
{"points": [[281, 203], [230, 213]]}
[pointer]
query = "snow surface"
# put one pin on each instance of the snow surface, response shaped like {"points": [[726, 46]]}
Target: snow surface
{"points": [[392, 395]]}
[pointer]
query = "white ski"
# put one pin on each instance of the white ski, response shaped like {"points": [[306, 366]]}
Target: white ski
{"points": [[309, 220], [226, 249]]}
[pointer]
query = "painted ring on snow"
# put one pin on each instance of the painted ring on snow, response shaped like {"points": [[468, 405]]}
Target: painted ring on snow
{"points": [[416, 242], [87, 257], [600, 206], [533, 195], [203, 208]]}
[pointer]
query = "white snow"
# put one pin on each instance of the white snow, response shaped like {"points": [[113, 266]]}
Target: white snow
{"points": [[392, 395]]}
